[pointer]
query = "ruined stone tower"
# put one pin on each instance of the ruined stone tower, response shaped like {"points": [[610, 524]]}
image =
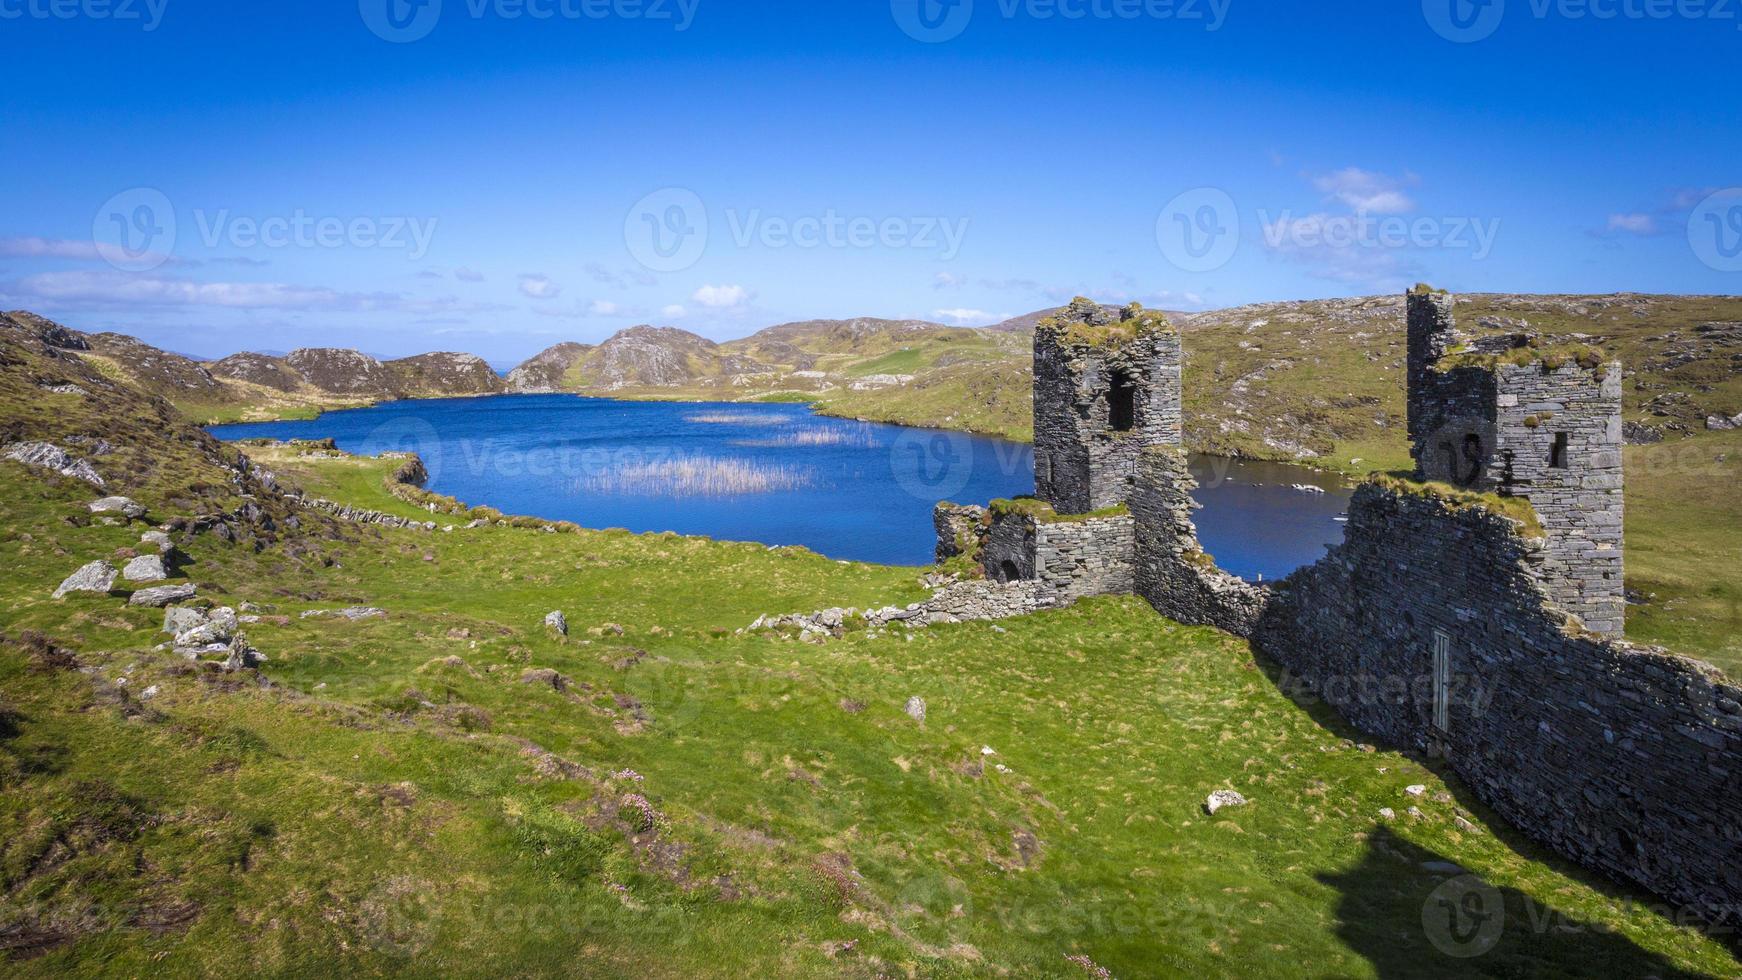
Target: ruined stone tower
{"points": [[1106, 385], [1520, 418]]}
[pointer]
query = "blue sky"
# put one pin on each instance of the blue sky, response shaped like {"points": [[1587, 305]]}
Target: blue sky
{"points": [[495, 181]]}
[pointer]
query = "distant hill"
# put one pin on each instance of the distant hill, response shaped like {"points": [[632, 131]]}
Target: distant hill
{"points": [[1316, 380]]}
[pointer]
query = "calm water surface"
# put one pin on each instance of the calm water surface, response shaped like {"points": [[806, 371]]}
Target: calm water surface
{"points": [[777, 474]]}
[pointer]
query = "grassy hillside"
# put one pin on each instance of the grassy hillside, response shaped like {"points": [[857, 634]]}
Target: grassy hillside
{"points": [[412, 793], [451, 787]]}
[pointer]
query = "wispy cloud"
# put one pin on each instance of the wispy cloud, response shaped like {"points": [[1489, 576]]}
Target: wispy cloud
{"points": [[622, 279], [536, 286], [968, 318], [78, 250], [1634, 224], [1368, 191], [722, 297], [112, 290], [465, 274]]}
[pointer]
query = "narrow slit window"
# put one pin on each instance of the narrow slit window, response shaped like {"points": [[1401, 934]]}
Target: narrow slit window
{"points": [[1557, 456], [1122, 403], [1442, 681]]}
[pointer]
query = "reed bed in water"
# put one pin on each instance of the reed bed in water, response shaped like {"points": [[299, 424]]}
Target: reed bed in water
{"points": [[698, 476], [855, 439], [736, 418]]}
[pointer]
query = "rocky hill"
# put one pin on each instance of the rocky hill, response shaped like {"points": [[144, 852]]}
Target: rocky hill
{"points": [[1316, 380], [547, 370]]}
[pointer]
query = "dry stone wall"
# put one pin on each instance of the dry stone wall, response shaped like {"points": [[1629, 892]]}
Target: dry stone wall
{"points": [[1622, 758], [1172, 571]]}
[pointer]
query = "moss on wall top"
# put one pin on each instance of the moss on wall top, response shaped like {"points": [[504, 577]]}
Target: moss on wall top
{"points": [[1084, 323], [1043, 513], [1516, 509]]}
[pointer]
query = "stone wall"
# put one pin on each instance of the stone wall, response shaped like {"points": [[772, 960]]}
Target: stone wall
{"points": [[1622, 758], [1084, 461], [1080, 558], [1579, 502], [1172, 571], [960, 530], [1548, 430], [1070, 559]]}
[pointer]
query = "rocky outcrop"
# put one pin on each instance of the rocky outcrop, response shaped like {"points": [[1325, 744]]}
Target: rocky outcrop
{"points": [[443, 375], [340, 372], [48, 456], [259, 369], [544, 372], [125, 506], [157, 371], [162, 595]]}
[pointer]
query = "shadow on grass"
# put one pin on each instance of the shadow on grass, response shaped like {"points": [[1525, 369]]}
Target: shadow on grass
{"points": [[1411, 912]]}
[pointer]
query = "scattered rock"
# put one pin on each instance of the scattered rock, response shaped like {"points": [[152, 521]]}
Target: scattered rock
{"points": [[558, 622], [916, 709], [1415, 790], [98, 576], [1387, 813], [51, 457], [125, 506], [162, 595], [1722, 423], [1223, 798], [178, 620], [546, 677], [159, 540], [145, 568]]}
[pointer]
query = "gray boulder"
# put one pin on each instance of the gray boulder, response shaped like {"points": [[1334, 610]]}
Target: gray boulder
{"points": [[159, 540], [1723, 424], [179, 620], [125, 506], [219, 627], [51, 457], [557, 621], [162, 595], [98, 576], [916, 709], [1223, 798], [145, 568]]}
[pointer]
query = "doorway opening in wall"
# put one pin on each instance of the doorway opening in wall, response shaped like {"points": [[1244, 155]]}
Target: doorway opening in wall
{"points": [[1122, 403], [1442, 682], [1557, 457], [1008, 572]]}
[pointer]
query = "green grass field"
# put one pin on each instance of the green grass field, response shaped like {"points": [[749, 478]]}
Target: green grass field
{"points": [[413, 795]]}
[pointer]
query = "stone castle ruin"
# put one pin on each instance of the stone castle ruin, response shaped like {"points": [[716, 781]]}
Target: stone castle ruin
{"points": [[1474, 611]]}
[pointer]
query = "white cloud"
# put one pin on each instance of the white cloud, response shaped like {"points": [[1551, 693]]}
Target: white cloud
{"points": [[721, 297], [600, 307], [538, 287], [948, 280], [968, 318], [31, 247], [673, 312], [103, 290], [1634, 224], [1365, 190], [465, 274]]}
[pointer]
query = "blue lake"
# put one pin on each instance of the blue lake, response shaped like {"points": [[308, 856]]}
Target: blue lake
{"points": [[776, 474]]}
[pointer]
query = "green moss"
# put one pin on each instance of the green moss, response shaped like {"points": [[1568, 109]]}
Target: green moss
{"points": [[1550, 358], [1516, 509], [1423, 289], [1134, 323], [1043, 512]]}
